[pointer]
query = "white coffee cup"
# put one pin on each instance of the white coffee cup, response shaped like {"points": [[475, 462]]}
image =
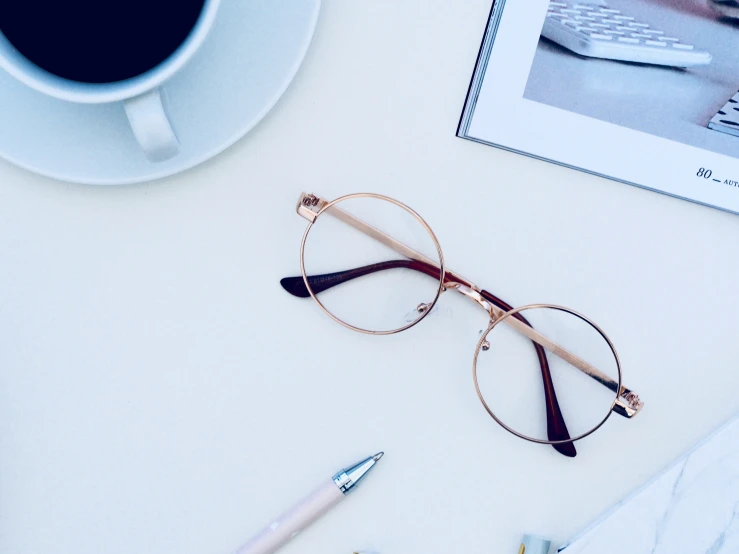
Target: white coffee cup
{"points": [[141, 95]]}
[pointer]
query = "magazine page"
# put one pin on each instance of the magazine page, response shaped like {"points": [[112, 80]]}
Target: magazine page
{"points": [[640, 91]]}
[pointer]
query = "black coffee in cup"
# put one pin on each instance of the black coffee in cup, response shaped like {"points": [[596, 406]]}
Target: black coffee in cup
{"points": [[98, 41]]}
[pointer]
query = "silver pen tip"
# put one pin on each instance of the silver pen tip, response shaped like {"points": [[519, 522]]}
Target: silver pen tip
{"points": [[377, 456]]}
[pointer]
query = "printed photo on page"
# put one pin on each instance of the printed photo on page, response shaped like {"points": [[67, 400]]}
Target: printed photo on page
{"points": [[641, 91]]}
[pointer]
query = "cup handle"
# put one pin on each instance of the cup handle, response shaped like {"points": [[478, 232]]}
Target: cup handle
{"points": [[151, 127]]}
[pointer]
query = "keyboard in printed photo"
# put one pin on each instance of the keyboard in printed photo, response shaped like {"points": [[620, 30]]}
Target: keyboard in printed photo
{"points": [[727, 118], [597, 31]]}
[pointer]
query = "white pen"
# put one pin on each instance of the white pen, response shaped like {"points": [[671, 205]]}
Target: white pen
{"points": [[308, 510]]}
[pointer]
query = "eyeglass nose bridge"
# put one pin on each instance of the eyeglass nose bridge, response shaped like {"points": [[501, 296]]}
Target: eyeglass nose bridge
{"points": [[474, 293]]}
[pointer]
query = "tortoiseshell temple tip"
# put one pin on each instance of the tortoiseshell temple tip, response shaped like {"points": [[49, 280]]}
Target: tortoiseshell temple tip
{"points": [[319, 283], [566, 449], [295, 286]]}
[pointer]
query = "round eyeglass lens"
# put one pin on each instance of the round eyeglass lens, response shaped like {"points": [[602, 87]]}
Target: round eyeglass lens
{"points": [[513, 383], [372, 263]]}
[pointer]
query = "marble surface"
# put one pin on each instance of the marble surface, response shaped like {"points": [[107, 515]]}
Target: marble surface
{"points": [[692, 507]]}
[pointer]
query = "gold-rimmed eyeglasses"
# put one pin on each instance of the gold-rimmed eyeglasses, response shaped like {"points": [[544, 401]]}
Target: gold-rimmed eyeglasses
{"points": [[375, 266]]}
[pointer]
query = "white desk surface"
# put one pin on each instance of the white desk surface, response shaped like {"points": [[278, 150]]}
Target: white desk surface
{"points": [[161, 394], [666, 102]]}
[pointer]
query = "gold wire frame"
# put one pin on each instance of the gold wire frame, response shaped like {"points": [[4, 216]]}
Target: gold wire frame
{"points": [[377, 233], [627, 403], [483, 340]]}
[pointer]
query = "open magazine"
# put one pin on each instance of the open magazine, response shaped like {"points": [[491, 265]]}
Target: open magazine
{"points": [[639, 91]]}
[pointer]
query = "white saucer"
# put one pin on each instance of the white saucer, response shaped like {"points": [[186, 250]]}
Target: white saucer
{"points": [[253, 52]]}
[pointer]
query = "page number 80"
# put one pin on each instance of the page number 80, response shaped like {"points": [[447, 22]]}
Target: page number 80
{"points": [[705, 173]]}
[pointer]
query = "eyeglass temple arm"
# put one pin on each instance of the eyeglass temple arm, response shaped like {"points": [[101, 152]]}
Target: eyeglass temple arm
{"points": [[320, 283], [627, 404]]}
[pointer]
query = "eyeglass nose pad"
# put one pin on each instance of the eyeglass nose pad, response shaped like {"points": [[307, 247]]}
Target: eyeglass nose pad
{"points": [[485, 346], [422, 308]]}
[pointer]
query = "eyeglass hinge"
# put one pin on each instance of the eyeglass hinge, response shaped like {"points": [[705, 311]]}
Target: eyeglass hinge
{"points": [[628, 403], [309, 205]]}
